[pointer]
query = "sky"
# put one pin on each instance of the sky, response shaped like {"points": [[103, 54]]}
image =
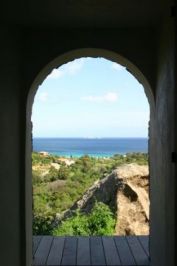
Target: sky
{"points": [[90, 98]]}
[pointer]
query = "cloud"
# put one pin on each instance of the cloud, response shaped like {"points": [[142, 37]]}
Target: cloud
{"points": [[43, 96], [108, 97], [56, 73], [117, 67], [70, 68], [74, 67]]}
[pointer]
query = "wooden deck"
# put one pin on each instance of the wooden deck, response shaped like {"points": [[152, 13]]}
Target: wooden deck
{"points": [[117, 250]]}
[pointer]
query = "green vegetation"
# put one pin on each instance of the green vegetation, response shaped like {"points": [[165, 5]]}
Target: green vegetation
{"points": [[56, 190], [39, 159], [100, 222]]}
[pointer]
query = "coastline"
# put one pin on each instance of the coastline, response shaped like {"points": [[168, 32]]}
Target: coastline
{"points": [[97, 148], [76, 156], [79, 155]]}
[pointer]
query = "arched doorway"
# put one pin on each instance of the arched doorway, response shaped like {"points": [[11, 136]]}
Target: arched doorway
{"points": [[64, 59]]}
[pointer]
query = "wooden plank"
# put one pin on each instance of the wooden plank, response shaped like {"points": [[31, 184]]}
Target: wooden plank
{"points": [[124, 251], [56, 251], [36, 241], [139, 254], [43, 250], [110, 250], [144, 240], [97, 251], [69, 251], [83, 251]]}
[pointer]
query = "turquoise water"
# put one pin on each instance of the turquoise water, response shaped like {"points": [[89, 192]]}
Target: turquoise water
{"points": [[103, 147]]}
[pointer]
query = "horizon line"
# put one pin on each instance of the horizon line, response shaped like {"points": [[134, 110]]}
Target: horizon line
{"points": [[90, 137]]}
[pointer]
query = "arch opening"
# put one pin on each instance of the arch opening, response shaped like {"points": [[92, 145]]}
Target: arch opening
{"points": [[68, 58]]}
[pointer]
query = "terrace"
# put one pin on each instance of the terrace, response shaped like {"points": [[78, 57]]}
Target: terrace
{"points": [[94, 250]]}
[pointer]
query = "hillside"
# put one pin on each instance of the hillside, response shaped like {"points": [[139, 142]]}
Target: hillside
{"points": [[126, 192], [63, 185]]}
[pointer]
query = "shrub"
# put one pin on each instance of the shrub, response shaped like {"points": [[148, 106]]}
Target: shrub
{"points": [[77, 225], [52, 175], [63, 172], [36, 178], [42, 225], [100, 222], [55, 174]]}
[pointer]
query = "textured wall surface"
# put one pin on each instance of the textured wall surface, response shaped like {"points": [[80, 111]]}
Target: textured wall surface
{"points": [[10, 146], [25, 54], [161, 148]]}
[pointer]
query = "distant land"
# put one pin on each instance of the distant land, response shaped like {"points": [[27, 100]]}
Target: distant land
{"points": [[96, 147]]}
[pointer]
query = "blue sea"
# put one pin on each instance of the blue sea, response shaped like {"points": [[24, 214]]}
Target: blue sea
{"points": [[96, 147]]}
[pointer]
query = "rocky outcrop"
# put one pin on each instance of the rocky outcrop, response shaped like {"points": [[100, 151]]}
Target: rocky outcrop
{"points": [[126, 191], [104, 190], [133, 200]]}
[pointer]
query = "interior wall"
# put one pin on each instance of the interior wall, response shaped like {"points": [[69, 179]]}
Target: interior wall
{"points": [[162, 228], [23, 55], [11, 165], [41, 46]]}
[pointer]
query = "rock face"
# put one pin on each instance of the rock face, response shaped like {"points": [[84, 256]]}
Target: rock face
{"points": [[126, 191], [133, 200], [104, 190]]}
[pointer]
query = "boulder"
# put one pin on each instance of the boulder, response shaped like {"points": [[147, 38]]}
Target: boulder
{"points": [[126, 191], [133, 200]]}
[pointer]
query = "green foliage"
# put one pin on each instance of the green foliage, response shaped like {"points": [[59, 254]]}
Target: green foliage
{"points": [[38, 158], [77, 225], [63, 172], [42, 225], [139, 158], [100, 221], [76, 179], [36, 178]]}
